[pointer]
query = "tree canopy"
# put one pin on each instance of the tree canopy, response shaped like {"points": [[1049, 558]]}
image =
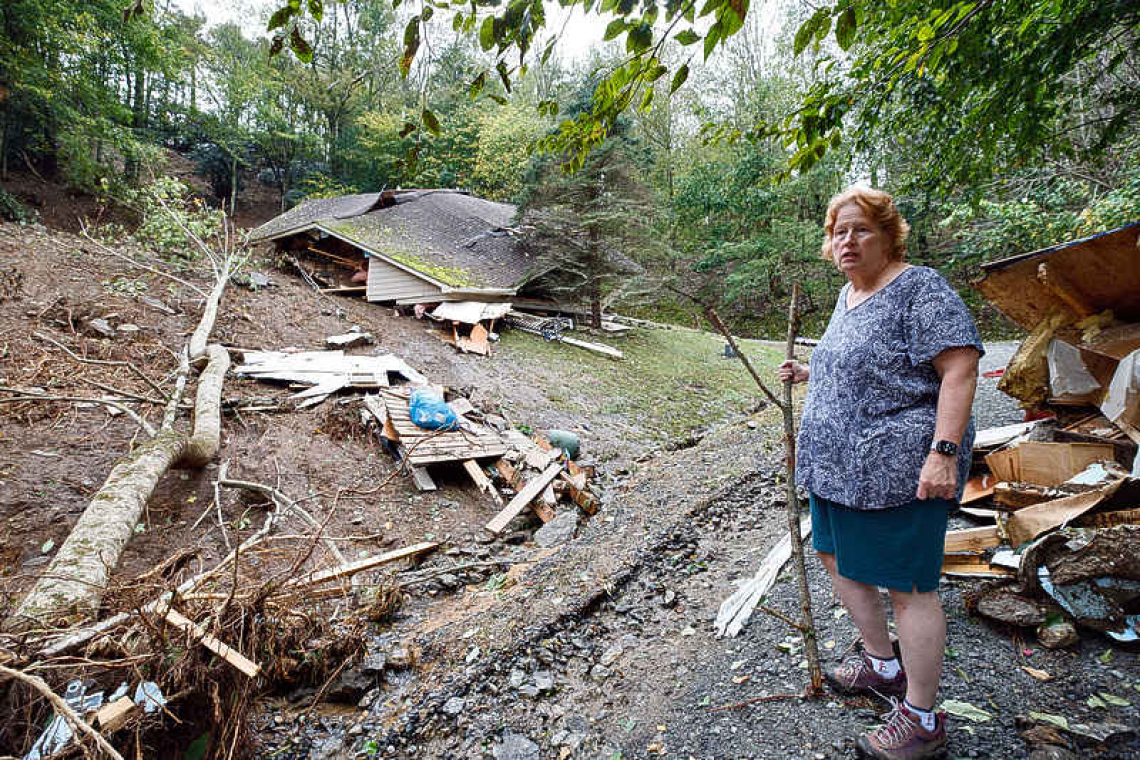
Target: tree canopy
{"points": [[989, 83]]}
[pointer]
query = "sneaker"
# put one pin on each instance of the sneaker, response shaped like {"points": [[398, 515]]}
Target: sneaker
{"points": [[856, 675], [902, 736]]}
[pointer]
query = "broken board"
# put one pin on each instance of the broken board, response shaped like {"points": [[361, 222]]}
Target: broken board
{"points": [[419, 475], [529, 492]]}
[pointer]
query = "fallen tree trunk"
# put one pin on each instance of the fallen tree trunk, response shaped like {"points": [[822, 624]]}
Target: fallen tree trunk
{"points": [[74, 582]]}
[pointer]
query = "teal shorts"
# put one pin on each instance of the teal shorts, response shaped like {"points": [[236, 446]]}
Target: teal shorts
{"points": [[898, 548]]}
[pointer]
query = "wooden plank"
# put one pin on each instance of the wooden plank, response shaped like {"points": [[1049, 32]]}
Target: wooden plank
{"points": [[575, 478], [512, 477], [1003, 464], [1109, 519], [1103, 267], [972, 539], [334, 257], [970, 566], [110, 718], [1013, 496], [978, 488], [581, 496], [476, 343], [353, 289], [232, 656], [524, 497], [1065, 291], [736, 609], [361, 565], [481, 480], [597, 348], [420, 476], [1029, 523]]}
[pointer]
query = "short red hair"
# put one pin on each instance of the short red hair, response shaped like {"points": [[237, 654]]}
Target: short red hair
{"points": [[879, 208]]}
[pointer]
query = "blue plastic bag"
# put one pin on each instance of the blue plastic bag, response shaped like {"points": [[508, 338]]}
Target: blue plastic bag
{"points": [[431, 412]]}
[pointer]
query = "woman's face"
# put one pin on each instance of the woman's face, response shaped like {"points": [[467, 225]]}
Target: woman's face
{"points": [[859, 247]]}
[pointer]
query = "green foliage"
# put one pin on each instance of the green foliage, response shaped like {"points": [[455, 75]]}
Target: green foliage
{"points": [[587, 229], [503, 150], [11, 210], [168, 214], [975, 87]]}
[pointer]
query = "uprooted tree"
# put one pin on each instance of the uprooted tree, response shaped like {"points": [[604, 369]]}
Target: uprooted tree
{"points": [[78, 574]]}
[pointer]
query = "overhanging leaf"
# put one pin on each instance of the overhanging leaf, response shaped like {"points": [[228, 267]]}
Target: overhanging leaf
{"points": [[279, 18], [300, 47], [687, 37], [487, 33], [845, 28], [478, 84], [679, 78], [803, 36]]}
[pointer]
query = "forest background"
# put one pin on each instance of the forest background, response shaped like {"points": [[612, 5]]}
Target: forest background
{"points": [[717, 132]]}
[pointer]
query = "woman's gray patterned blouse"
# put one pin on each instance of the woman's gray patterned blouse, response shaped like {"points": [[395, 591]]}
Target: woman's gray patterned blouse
{"points": [[868, 419]]}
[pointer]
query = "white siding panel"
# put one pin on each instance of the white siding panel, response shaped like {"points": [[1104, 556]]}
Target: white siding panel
{"points": [[388, 283]]}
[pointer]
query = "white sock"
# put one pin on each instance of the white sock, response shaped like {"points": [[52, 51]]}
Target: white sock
{"points": [[886, 668], [925, 716]]}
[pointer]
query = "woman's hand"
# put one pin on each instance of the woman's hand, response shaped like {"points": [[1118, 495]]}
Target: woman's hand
{"points": [[939, 477], [794, 371]]}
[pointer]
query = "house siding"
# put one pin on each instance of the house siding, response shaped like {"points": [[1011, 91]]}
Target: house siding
{"points": [[388, 283]]}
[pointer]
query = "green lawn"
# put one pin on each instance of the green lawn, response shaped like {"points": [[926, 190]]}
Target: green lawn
{"points": [[670, 382]]}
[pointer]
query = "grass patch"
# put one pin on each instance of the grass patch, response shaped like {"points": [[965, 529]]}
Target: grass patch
{"points": [[670, 383]]}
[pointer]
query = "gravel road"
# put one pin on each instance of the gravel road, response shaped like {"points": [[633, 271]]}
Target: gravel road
{"points": [[991, 406]]}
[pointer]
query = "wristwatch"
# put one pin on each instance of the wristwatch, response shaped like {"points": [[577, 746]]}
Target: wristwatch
{"points": [[949, 448]]}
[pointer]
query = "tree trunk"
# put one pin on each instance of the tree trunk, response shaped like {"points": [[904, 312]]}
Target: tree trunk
{"points": [[233, 185], [197, 346], [74, 582]]}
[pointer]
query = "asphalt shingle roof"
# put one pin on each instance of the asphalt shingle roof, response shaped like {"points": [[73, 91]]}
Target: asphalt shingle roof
{"points": [[450, 236]]}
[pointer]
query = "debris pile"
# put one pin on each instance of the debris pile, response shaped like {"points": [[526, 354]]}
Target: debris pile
{"points": [[532, 471], [1061, 494]]}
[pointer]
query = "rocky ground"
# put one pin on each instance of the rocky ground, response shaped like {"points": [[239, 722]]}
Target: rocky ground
{"points": [[606, 648], [596, 646]]}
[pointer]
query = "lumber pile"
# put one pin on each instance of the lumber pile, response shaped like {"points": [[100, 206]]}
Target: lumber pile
{"points": [[516, 472], [1060, 496]]}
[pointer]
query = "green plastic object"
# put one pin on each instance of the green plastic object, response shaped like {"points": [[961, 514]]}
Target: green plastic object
{"points": [[566, 441]]}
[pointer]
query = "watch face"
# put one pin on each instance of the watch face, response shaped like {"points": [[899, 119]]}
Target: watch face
{"points": [[946, 447]]}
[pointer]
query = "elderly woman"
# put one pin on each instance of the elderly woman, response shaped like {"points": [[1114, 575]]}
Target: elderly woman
{"points": [[884, 451]]}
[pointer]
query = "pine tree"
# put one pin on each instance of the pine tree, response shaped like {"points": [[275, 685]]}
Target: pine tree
{"points": [[587, 229]]}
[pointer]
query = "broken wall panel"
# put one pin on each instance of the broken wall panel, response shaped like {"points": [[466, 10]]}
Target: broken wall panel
{"points": [[1099, 272]]}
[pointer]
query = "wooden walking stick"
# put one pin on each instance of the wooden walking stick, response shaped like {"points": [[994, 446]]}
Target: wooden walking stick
{"points": [[806, 625], [811, 645]]}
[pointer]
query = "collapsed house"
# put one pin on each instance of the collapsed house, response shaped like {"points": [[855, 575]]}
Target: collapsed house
{"points": [[451, 256], [1060, 493], [407, 246]]}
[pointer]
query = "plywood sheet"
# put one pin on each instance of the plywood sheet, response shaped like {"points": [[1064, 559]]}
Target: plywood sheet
{"points": [[1049, 464], [1101, 272]]}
